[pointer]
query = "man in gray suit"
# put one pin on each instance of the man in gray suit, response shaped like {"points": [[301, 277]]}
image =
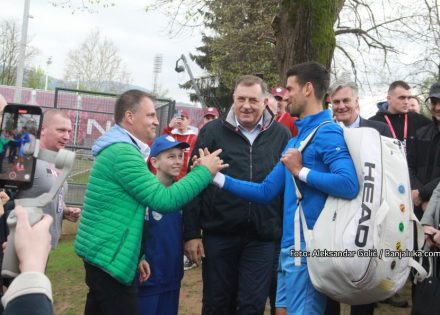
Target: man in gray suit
{"points": [[345, 104]]}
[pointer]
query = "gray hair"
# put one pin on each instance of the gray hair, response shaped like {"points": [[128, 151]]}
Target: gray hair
{"points": [[336, 86], [249, 80]]}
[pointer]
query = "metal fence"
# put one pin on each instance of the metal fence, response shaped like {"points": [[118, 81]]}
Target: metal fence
{"points": [[92, 115]]}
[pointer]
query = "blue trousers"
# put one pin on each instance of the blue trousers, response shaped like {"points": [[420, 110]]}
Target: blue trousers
{"points": [[166, 303], [236, 274]]}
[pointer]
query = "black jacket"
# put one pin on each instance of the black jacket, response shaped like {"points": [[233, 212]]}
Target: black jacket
{"points": [[379, 126], [424, 160], [221, 213], [415, 121]]}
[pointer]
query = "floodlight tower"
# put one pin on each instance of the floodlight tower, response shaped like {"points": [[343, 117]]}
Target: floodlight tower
{"points": [[186, 67], [158, 60]]}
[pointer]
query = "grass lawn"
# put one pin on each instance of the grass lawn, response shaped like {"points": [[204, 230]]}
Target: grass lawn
{"points": [[66, 272]]}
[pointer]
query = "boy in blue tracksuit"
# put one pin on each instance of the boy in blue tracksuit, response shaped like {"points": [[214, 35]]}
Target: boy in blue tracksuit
{"points": [[325, 168], [163, 243]]}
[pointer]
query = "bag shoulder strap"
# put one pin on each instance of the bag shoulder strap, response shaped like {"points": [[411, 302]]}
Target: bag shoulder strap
{"points": [[301, 148], [299, 214]]}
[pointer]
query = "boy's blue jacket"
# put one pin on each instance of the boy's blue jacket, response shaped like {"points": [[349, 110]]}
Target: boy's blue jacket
{"points": [[163, 250]]}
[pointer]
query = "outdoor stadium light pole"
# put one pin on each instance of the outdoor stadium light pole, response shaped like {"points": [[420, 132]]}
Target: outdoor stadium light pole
{"points": [[48, 63], [22, 53], [179, 69]]}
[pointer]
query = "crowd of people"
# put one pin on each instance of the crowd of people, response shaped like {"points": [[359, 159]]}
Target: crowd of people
{"points": [[224, 197]]}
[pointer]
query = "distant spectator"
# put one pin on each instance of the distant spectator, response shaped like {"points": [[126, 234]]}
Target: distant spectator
{"points": [[179, 129], [424, 160], [13, 144], [3, 138], [414, 105], [282, 116], [401, 122], [24, 139], [209, 114]]}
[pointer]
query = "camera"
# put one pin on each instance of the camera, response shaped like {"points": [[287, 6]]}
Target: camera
{"points": [[20, 133]]}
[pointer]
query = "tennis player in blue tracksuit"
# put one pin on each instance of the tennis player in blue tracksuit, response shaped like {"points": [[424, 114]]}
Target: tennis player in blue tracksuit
{"points": [[324, 168], [163, 243]]}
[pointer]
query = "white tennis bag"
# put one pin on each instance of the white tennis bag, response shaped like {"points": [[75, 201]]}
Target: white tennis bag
{"points": [[361, 250]]}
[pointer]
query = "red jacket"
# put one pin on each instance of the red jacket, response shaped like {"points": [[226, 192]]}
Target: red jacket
{"points": [[289, 122], [190, 137]]}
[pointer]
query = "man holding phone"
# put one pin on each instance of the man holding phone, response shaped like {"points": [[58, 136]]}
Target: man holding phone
{"points": [[179, 129], [55, 134]]}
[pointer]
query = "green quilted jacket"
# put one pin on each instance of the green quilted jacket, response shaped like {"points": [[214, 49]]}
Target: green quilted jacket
{"points": [[119, 189]]}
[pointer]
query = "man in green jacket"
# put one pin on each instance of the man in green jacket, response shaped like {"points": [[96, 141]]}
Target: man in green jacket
{"points": [[119, 190]]}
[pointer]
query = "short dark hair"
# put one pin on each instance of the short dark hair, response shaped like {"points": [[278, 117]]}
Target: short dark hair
{"points": [[50, 113], [129, 101], [249, 80], [397, 84], [314, 73]]}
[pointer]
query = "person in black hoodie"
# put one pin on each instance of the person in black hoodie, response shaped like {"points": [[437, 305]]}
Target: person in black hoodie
{"points": [[239, 237], [402, 123], [424, 160]]}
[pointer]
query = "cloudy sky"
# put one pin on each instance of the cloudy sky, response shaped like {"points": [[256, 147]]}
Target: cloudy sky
{"points": [[138, 35]]}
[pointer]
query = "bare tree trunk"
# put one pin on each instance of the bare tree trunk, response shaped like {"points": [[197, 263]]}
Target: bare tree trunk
{"points": [[304, 32]]}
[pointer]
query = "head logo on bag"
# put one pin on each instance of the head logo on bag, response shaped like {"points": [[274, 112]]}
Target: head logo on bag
{"points": [[367, 198]]}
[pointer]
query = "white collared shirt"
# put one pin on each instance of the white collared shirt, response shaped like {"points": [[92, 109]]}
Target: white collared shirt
{"points": [[143, 147], [251, 135], [356, 123]]}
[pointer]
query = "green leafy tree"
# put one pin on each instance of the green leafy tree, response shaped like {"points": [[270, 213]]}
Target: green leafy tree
{"points": [[35, 78], [365, 38]]}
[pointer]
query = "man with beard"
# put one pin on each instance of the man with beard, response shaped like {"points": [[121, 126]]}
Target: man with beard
{"points": [[424, 160]]}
